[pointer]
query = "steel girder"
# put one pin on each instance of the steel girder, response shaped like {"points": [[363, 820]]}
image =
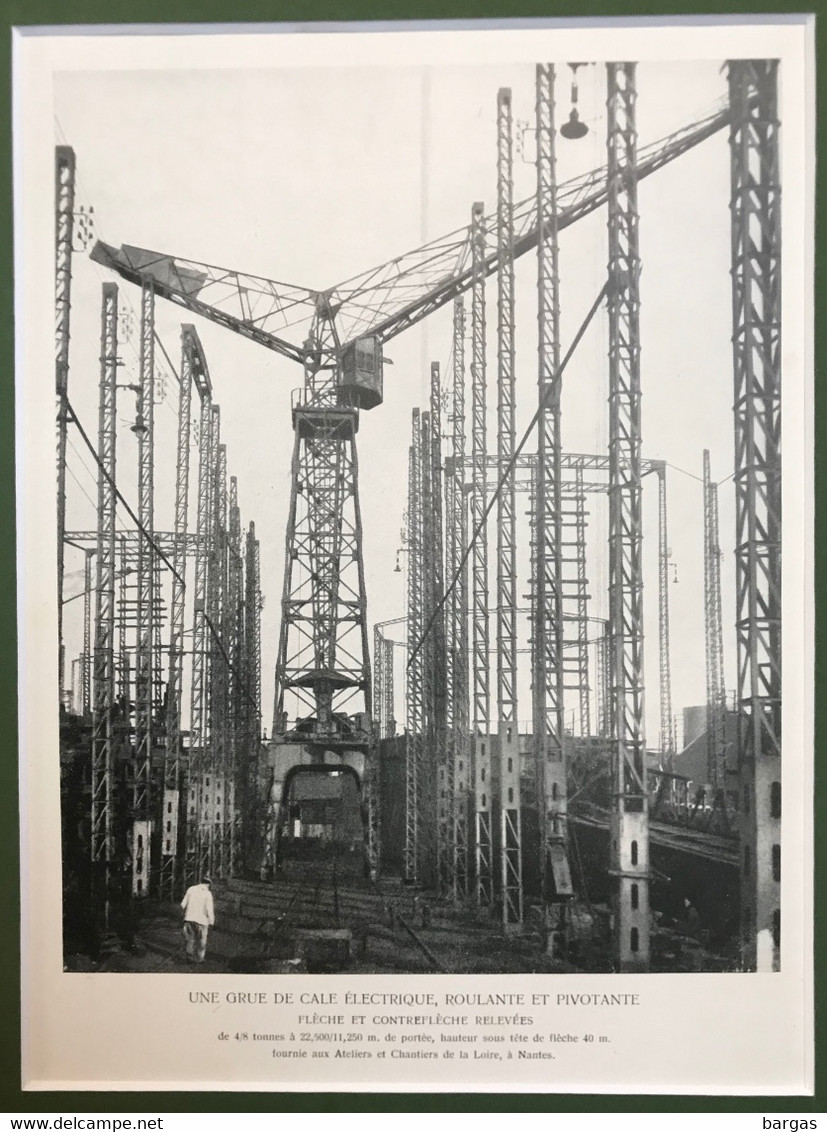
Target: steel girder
{"points": [[547, 589], [668, 739], [480, 662], [415, 670], [756, 337], [86, 664], [104, 673], [144, 428], [172, 740], [457, 527], [575, 598], [713, 637], [197, 759], [439, 669], [630, 826], [64, 224], [510, 818], [387, 689], [323, 657]]}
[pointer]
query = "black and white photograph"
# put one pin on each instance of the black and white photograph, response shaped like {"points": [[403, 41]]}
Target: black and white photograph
{"points": [[415, 604]]}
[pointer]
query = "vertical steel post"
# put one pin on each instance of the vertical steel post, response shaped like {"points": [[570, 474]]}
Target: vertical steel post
{"points": [[630, 823], [668, 743], [144, 428], [252, 705], [387, 689], [64, 223], [480, 664], [172, 739], [459, 569], [427, 775], [714, 636], [415, 706], [86, 662], [444, 766], [756, 337], [547, 628], [102, 831], [584, 686], [511, 859], [379, 679], [197, 755]]}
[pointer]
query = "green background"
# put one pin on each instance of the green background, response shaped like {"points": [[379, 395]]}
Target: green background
{"points": [[33, 12]]}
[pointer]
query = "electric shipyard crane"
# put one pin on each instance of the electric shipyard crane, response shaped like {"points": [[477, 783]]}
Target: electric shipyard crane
{"points": [[323, 654]]}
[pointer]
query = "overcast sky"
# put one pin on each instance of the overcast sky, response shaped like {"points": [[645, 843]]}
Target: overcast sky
{"points": [[309, 176]]}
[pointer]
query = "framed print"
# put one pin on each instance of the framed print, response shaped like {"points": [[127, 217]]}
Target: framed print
{"points": [[403, 680]]}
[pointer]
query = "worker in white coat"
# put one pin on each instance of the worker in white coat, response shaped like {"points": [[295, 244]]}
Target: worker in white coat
{"points": [[199, 916]]}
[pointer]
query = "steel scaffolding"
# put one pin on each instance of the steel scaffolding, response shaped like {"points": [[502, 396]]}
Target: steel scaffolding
{"points": [[630, 824], [457, 529], [547, 588], [510, 819], [64, 224], [713, 637], [481, 668], [146, 611], [415, 737], [756, 337], [668, 738], [103, 724]]}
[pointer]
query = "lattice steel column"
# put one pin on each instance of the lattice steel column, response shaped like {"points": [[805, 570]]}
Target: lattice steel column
{"points": [[480, 663], [126, 568], [387, 689], [415, 671], [64, 222], [459, 611], [428, 784], [584, 695], [172, 740], [197, 760], [379, 678], [604, 711], [630, 823], [442, 755], [144, 428], [714, 636], [547, 626], [756, 337], [86, 662], [252, 710], [511, 860], [668, 743], [236, 699], [102, 832]]}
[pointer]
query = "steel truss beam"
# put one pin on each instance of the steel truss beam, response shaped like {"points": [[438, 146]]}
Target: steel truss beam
{"points": [[756, 337], [511, 837], [630, 823], [547, 589], [714, 637], [146, 612], [102, 831], [415, 671], [480, 663], [575, 598], [668, 738], [457, 652], [170, 801], [197, 760], [64, 224]]}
